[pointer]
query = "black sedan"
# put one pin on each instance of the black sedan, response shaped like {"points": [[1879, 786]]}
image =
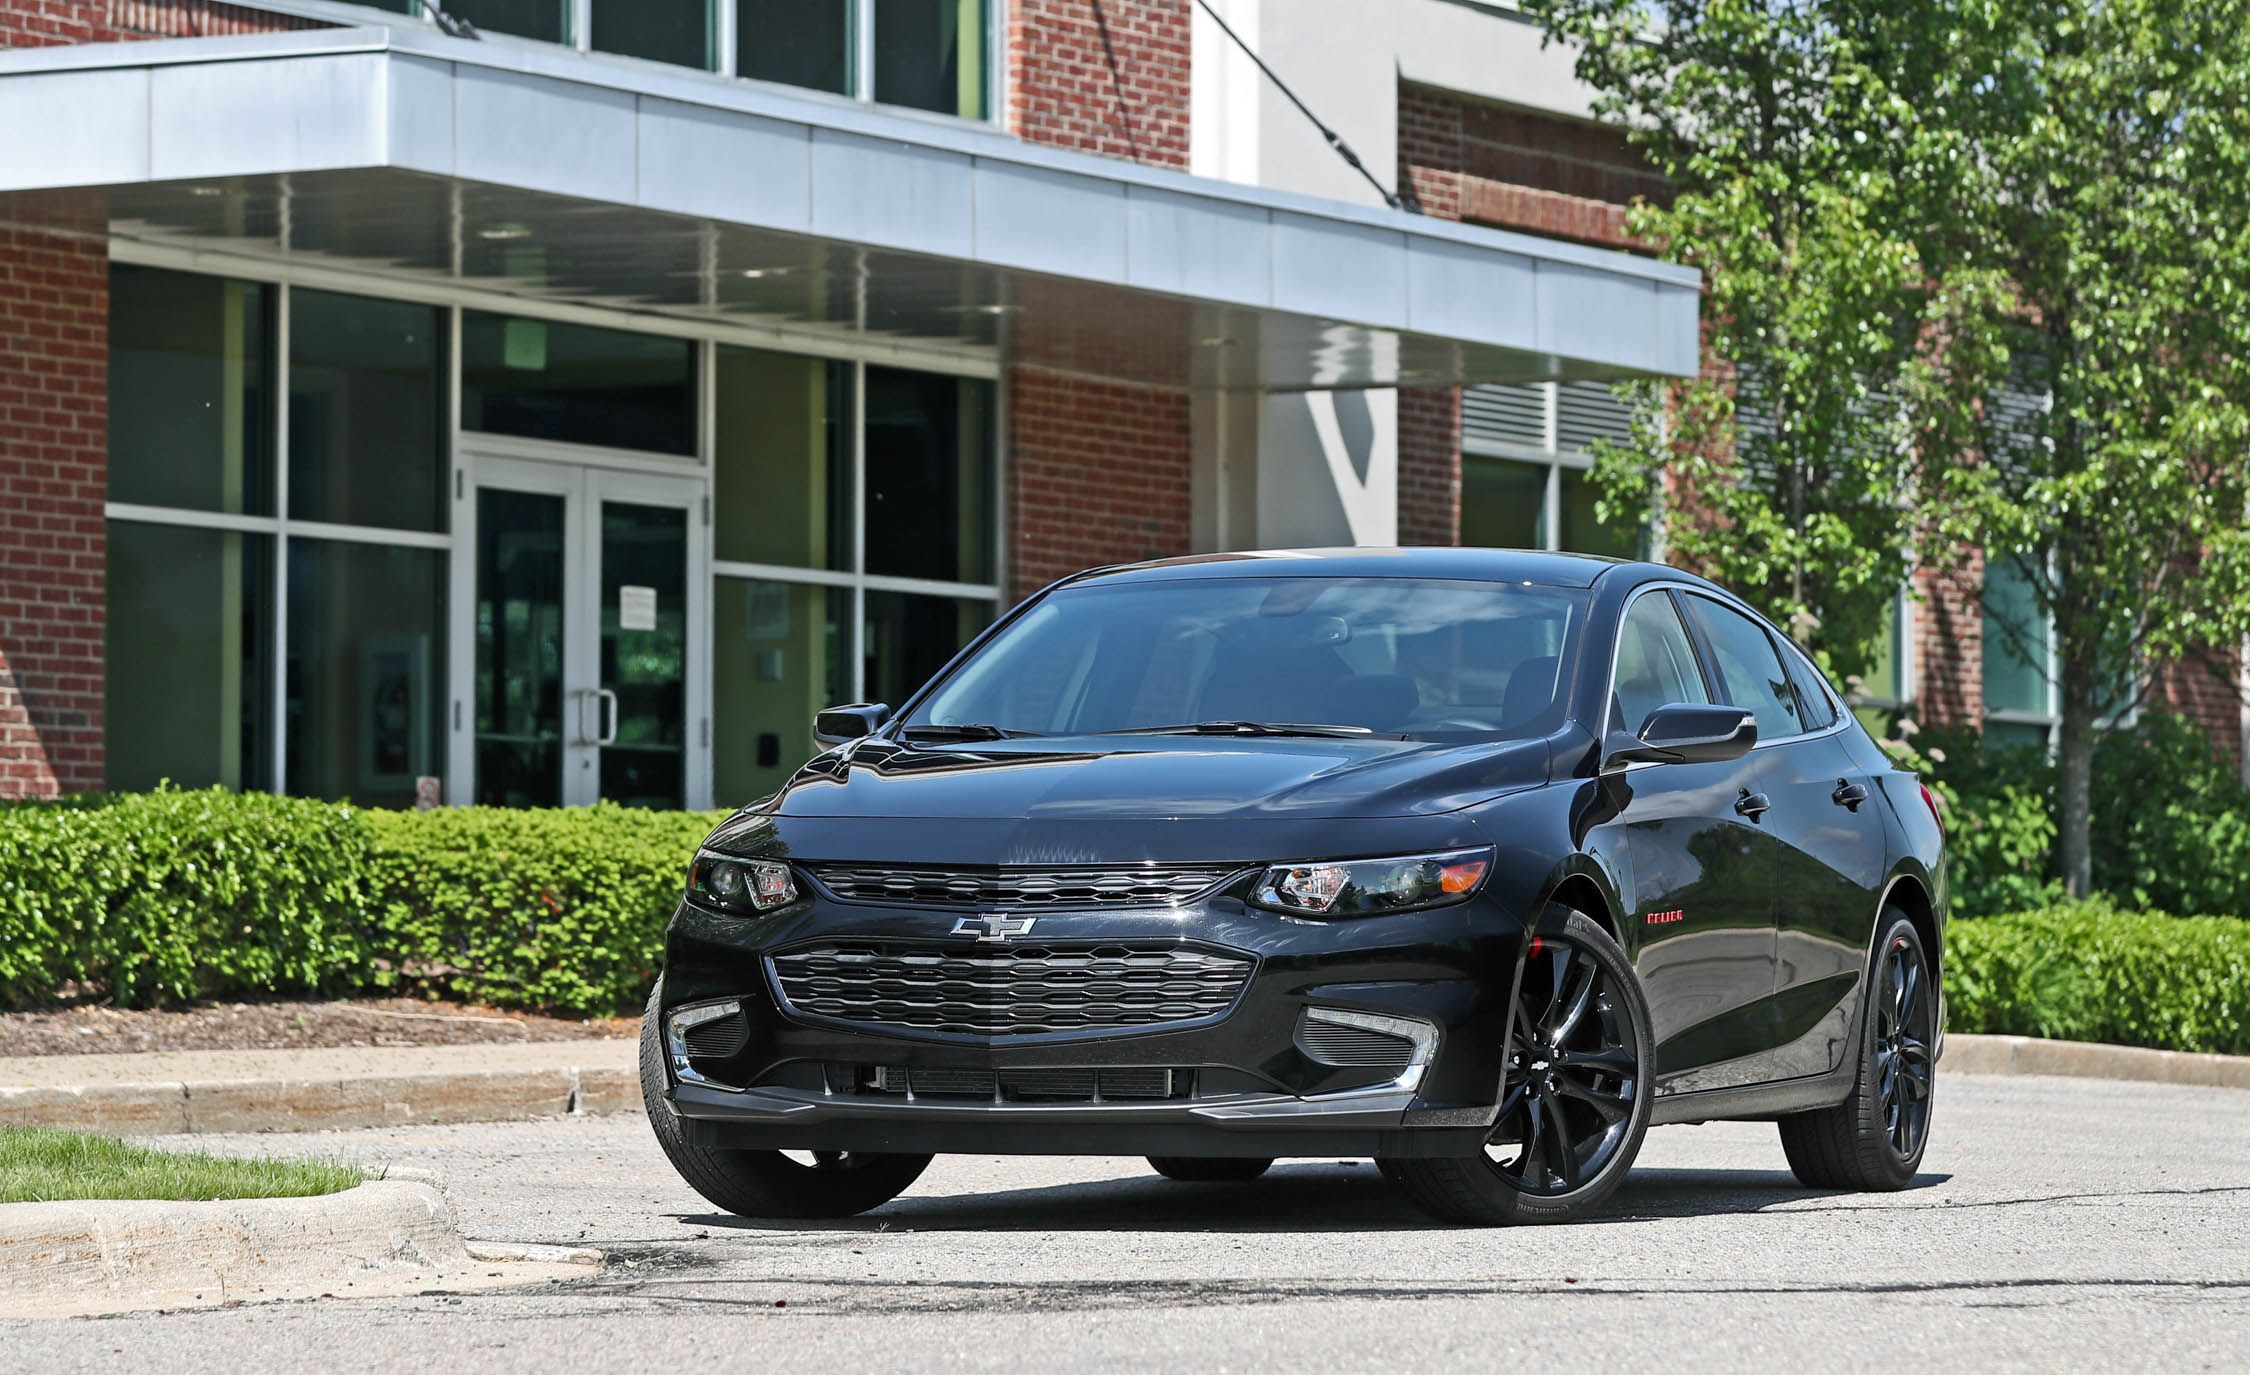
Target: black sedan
{"points": [[1474, 862]]}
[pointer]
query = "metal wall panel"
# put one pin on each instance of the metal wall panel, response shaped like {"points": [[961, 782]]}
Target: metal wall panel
{"points": [[1343, 271], [543, 136], [738, 168], [895, 195], [92, 128], [207, 120], [1472, 293], [1189, 246], [1046, 221]]}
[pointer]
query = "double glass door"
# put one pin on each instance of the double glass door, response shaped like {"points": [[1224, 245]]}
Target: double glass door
{"points": [[580, 592]]}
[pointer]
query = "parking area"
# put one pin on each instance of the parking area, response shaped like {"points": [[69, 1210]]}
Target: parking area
{"points": [[2058, 1221]]}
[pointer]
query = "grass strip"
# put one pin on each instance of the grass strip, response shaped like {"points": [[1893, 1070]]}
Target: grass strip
{"points": [[42, 1165]]}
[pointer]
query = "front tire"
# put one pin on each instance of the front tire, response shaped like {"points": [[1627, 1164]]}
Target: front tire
{"points": [[1873, 1141], [1208, 1169], [766, 1183], [1575, 1096]]}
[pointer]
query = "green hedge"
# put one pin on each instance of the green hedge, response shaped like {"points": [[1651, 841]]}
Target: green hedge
{"points": [[2088, 972], [171, 895]]}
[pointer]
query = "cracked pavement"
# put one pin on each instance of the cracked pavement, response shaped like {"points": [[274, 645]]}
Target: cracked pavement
{"points": [[2057, 1221]]}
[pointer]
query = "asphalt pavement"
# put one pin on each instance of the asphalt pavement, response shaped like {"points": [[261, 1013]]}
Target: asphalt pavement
{"points": [[2058, 1223]]}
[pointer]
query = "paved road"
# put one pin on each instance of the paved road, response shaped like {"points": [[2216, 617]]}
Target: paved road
{"points": [[2060, 1222]]}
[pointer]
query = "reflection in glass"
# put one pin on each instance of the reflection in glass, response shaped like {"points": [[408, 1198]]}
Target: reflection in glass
{"points": [[908, 638], [187, 635], [644, 653], [1583, 531], [2015, 640], [519, 628], [782, 471], [190, 354], [366, 411], [366, 671], [797, 42], [676, 31], [929, 54], [542, 379], [542, 19], [1502, 502], [777, 657], [929, 476]]}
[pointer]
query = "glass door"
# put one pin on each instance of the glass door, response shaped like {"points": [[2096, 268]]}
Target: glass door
{"points": [[576, 643]]}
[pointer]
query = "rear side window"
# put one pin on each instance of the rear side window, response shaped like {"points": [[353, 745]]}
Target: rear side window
{"points": [[1813, 701], [1750, 672], [1655, 663]]}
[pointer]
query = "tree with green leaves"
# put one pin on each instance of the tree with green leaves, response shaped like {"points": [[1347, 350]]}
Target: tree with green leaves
{"points": [[1987, 265]]}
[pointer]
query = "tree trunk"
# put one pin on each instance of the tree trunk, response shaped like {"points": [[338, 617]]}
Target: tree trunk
{"points": [[2075, 783]]}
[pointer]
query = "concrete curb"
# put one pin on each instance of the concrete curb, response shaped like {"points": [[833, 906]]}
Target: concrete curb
{"points": [[384, 1236], [2090, 1060], [255, 1091]]}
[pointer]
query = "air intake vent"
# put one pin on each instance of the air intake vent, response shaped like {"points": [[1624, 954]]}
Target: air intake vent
{"points": [[719, 1038], [987, 889], [1026, 1085], [1352, 1047]]}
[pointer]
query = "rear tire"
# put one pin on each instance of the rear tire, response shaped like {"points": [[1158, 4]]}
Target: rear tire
{"points": [[1208, 1169], [766, 1183], [1873, 1141], [1575, 1096]]}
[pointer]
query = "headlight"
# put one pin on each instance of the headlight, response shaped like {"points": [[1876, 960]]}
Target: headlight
{"points": [[1369, 887], [742, 886]]}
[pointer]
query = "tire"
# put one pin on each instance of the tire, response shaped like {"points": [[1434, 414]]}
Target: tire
{"points": [[1208, 1169], [1873, 1140], [1594, 1081], [766, 1183]]}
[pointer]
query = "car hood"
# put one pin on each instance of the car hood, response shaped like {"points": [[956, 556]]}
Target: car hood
{"points": [[1163, 794]]}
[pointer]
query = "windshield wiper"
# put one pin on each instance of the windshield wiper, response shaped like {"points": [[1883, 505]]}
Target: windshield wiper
{"points": [[962, 730], [1243, 728]]}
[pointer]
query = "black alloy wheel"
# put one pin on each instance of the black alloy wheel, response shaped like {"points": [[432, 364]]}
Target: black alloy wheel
{"points": [[1574, 1098], [1874, 1139]]}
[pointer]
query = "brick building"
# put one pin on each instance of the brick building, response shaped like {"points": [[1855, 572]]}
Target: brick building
{"points": [[386, 409]]}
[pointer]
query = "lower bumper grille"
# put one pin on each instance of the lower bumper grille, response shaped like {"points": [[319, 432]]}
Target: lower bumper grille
{"points": [[1026, 1085], [1012, 991]]}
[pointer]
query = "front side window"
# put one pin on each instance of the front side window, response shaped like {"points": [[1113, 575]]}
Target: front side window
{"points": [[1423, 658], [1750, 672], [1655, 664]]}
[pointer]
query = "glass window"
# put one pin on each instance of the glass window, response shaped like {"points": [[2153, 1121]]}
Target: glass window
{"points": [[543, 19], [676, 31], [192, 353], [1501, 502], [1655, 664], [929, 476], [1749, 672], [1883, 681], [366, 670], [1815, 707], [187, 635], [797, 42], [1583, 531], [644, 655], [2015, 640], [782, 470], [909, 638], [777, 657], [541, 379], [366, 411], [1420, 657], [519, 634], [929, 54]]}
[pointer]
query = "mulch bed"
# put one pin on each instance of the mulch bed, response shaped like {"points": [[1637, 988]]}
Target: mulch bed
{"points": [[86, 1028]]}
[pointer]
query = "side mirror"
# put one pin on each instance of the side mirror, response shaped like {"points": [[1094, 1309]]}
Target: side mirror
{"points": [[838, 724], [1684, 733]]}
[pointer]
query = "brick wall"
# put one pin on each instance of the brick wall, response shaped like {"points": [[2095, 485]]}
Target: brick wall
{"points": [[2207, 692], [1429, 465], [1949, 645], [1098, 474], [42, 23], [1101, 76], [54, 458], [1465, 160]]}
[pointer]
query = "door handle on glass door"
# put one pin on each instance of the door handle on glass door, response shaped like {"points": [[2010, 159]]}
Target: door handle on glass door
{"points": [[608, 700]]}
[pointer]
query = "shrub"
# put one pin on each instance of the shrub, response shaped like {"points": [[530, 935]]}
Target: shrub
{"points": [[561, 909], [2089, 972], [173, 894]]}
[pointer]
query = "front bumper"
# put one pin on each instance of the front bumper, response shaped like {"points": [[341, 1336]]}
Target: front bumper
{"points": [[1243, 1082]]}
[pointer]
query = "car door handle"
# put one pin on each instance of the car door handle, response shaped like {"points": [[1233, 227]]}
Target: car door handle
{"points": [[1752, 804], [1848, 794]]}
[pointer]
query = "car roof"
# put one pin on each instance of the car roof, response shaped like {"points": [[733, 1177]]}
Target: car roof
{"points": [[1472, 565]]}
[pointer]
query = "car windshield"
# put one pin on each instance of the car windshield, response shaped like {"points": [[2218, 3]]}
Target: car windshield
{"points": [[1414, 657]]}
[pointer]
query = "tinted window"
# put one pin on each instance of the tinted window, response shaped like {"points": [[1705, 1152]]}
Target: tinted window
{"points": [[929, 476], [366, 411], [930, 54], [192, 354], [1750, 673], [1415, 657], [1819, 710], [542, 379], [1655, 663], [660, 30], [801, 42]]}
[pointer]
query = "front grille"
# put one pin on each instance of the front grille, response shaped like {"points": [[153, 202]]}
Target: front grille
{"points": [[1025, 1085], [1103, 886], [1329, 1043], [1029, 990]]}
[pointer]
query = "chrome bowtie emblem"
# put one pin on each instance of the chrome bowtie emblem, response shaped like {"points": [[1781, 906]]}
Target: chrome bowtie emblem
{"points": [[993, 929]]}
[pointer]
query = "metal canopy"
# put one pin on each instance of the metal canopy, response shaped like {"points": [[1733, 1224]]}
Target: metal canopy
{"points": [[567, 177]]}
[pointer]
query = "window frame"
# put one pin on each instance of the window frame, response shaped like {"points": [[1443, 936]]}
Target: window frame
{"points": [[283, 276], [1774, 642], [1669, 592], [1553, 459]]}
